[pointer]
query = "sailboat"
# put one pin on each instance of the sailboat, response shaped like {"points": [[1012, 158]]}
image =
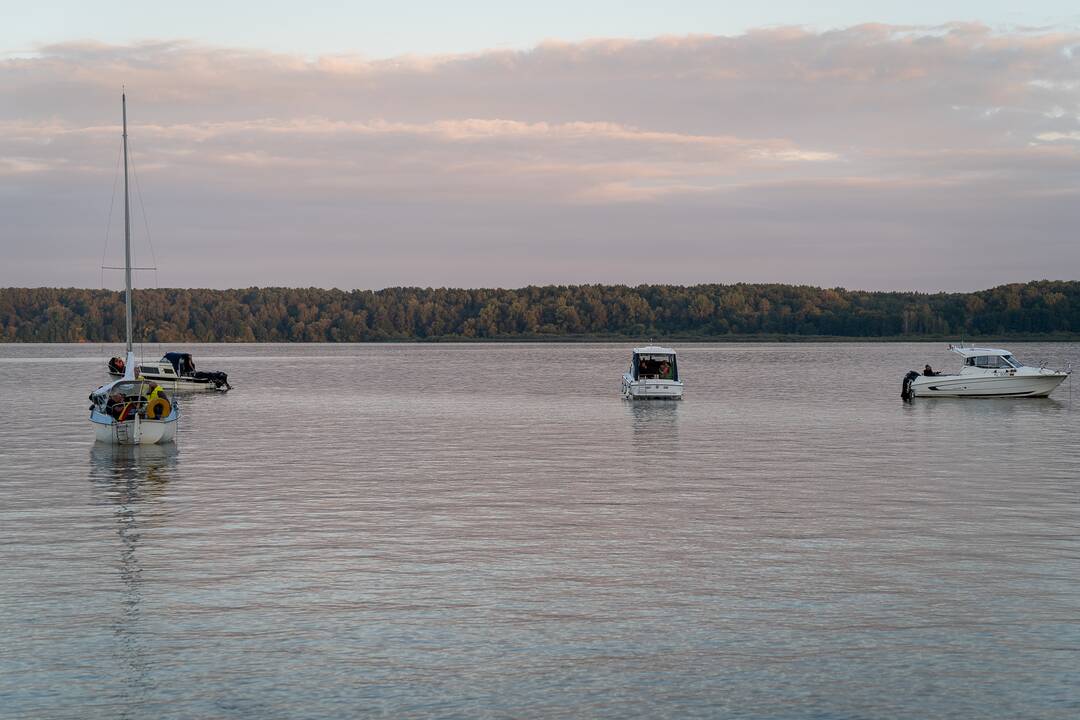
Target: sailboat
{"points": [[131, 410]]}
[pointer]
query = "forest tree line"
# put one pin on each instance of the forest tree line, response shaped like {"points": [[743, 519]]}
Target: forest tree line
{"points": [[602, 311]]}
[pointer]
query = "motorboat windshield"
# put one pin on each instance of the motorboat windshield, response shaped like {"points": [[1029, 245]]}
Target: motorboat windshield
{"points": [[655, 366], [993, 362], [987, 358]]}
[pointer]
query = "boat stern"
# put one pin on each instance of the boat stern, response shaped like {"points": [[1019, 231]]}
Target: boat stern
{"points": [[652, 389]]}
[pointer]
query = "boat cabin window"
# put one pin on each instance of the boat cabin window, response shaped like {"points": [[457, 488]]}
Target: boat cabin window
{"points": [[656, 367], [148, 370], [167, 371], [992, 362], [1013, 362]]}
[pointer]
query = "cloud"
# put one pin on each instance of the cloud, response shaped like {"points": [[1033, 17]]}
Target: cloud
{"points": [[496, 156], [567, 147]]}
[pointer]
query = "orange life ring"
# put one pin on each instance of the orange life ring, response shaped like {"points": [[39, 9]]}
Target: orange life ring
{"points": [[158, 408]]}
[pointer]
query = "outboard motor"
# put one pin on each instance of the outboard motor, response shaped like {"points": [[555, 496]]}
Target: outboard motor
{"points": [[218, 378], [905, 390]]}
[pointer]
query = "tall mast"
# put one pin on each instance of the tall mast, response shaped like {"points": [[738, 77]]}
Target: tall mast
{"points": [[127, 229]]}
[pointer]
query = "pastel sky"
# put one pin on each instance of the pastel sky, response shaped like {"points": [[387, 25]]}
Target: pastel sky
{"points": [[355, 146]]}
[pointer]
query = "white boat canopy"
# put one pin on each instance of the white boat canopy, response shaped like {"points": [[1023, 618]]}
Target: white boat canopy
{"points": [[974, 351], [654, 350]]}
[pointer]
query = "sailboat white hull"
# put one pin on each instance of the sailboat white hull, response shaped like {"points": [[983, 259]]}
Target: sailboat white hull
{"points": [[137, 431]]}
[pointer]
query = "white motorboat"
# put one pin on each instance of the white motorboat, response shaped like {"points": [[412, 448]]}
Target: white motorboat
{"points": [[653, 375], [175, 371], [986, 372], [131, 411]]}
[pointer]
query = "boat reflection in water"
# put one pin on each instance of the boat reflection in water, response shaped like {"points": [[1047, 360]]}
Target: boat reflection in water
{"points": [[131, 474], [654, 424], [131, 480]]}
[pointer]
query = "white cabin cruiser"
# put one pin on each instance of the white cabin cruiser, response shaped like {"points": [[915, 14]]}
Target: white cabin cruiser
{"points": [[653, 375], [131, 411], [986, 372], [175, 371]]}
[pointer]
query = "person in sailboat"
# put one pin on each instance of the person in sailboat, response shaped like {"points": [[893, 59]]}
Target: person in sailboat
{"points": [[115, 405], [157, 404]]}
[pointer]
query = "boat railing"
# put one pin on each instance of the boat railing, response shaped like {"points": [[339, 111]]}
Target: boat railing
{"points": [[1066, 369], [129, 408]]}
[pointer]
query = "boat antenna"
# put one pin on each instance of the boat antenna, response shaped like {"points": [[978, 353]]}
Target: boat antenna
{"points": [[127, 229]]}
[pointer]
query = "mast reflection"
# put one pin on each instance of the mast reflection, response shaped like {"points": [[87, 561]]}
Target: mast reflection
{"points": [[132, 479]]}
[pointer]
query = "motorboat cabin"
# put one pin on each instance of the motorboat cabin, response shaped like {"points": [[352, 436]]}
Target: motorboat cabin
{"points": [[653, 375], [176, 371], [985, 372]]}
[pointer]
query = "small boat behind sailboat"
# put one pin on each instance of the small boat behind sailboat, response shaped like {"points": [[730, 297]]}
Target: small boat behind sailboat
{"points": [[131, 411], [175, 371]]}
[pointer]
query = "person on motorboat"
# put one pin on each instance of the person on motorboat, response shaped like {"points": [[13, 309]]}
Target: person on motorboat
{"points": [[929, 371]]}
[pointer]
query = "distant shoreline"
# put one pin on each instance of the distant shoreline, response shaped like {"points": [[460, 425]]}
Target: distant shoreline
{"points": [[603, 340], [1042, 310]]}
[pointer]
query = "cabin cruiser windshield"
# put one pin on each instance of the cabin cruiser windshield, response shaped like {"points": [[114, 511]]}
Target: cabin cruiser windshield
{"points": [[993, 362], [655, 366]]}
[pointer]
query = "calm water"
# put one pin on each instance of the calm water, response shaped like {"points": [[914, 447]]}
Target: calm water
{"points": [[490, 531]]}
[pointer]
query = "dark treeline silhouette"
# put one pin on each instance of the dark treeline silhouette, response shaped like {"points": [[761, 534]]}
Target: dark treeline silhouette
{"points": [[601, 311]]}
